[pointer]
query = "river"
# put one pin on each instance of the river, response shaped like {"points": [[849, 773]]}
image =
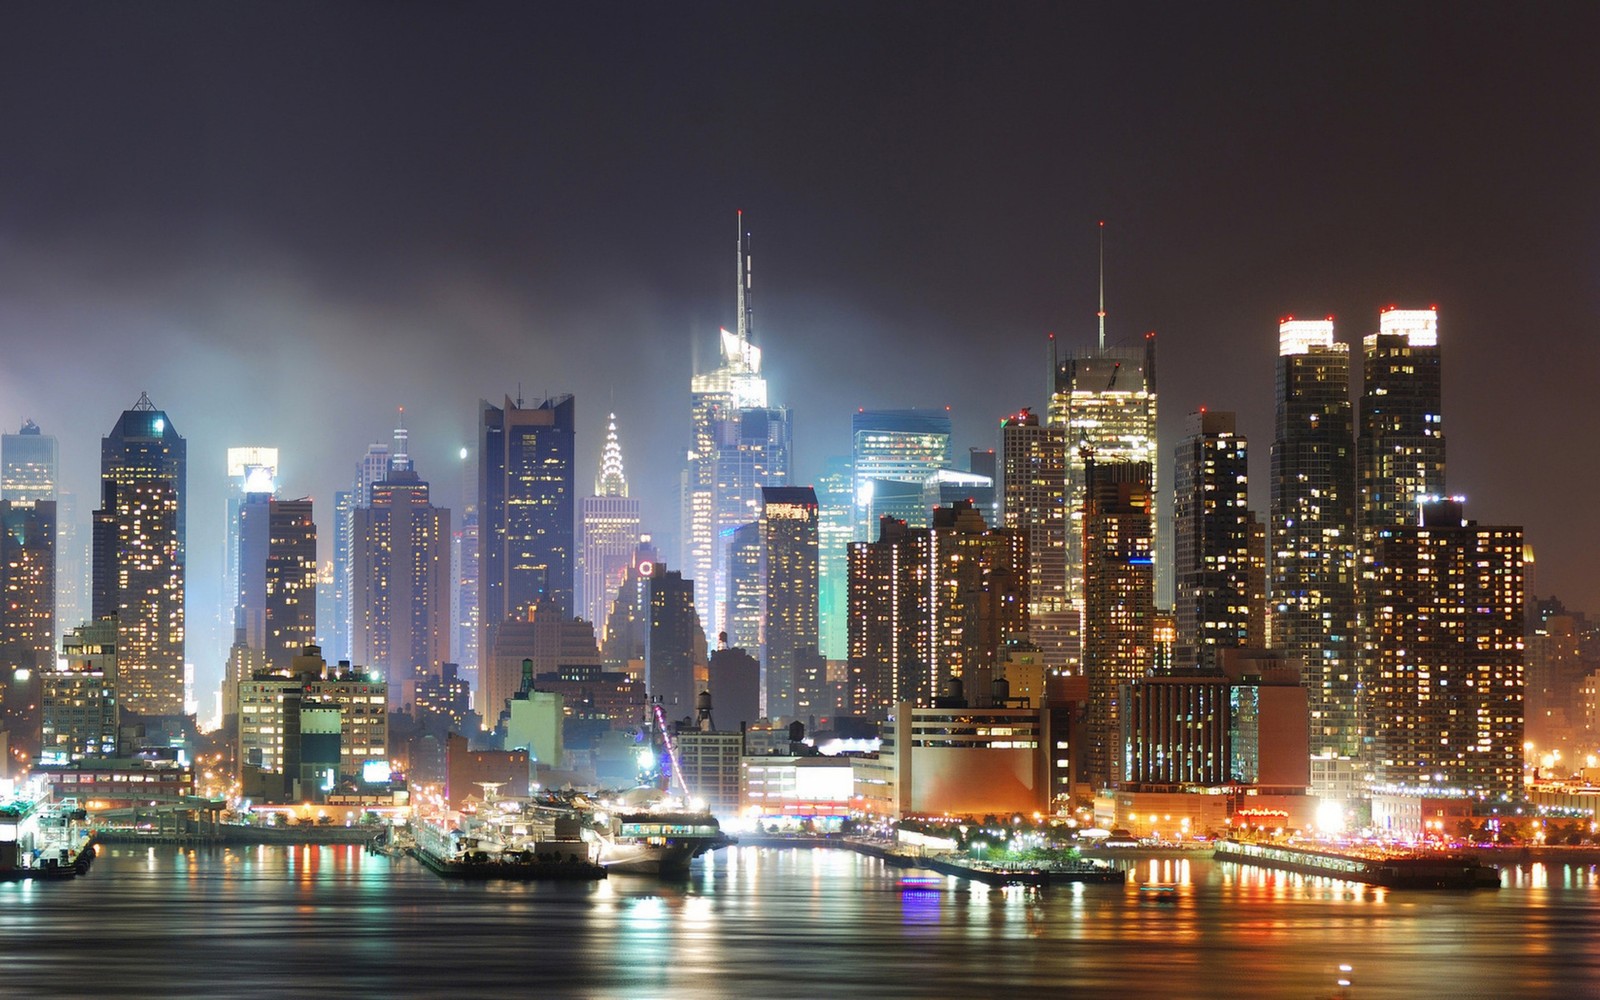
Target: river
{"points": [[765, 922]]}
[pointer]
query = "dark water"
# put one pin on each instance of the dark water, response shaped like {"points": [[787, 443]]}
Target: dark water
{"points": [[333, 921]]}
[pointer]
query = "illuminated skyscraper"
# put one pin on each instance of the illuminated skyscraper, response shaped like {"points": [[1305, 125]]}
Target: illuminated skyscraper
{"points": [[1033, 471], [27, 612], [250, 470], [1400, 451], [401, 585], [1445, 697], [1212, 561], [526, 495], [139, 556], [464, 569], [1103, 401], [29, 471], [28, 464], [290, 577], [607, 533], [374, 465], [669, 641], [1313, 538], [739, 445], [1119, 624], [835, 529], [789, 542], [893, 455]]}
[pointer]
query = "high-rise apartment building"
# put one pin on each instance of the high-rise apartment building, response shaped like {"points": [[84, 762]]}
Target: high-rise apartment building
{"points": [[525, 511], [1119, 626], [931, 605], [276, 572], [1212, 538], [29, 473], [1313, 536], [400, 589], [139, 556], [608, 530], [464, 571], [27, 613], [1033, 480], [789, 543], [1102, 402], [1444, 700], [1400, 448], [893, 455], [29, 464]]}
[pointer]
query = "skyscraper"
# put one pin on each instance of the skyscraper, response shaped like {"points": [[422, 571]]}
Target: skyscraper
{"points": [[400, 589], [789, 543], [291, 581], [739, 444], [893, 455], [1313, 539], [669, 642], [27, 612], [1033, 474], [1400, 450], [28, 464], [1211, 561], [1103, 401], [607, 533], [525, 511], [1445, 697], [835, 530], [29, 472], [250, 470], [1119, 601], [139, 556], [464, 568], [372, 468]]}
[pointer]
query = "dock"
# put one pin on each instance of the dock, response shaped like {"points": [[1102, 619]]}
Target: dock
{"points": [[1388, 869]]}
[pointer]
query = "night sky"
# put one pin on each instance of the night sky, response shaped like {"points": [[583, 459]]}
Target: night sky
{"points": [[284, 221]]}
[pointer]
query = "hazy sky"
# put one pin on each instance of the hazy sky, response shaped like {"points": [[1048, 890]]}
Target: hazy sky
{"points": [[283, 221]]}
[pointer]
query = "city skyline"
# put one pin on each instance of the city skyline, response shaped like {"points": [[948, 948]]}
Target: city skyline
{"points": [[303, 313]]}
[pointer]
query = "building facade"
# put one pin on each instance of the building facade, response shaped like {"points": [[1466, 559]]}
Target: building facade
{"points": [[1212, 563]]}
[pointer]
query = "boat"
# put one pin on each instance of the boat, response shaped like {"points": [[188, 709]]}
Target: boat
{"points": [[477, 852], [41, 837], [1381, 867], [653, 842]]}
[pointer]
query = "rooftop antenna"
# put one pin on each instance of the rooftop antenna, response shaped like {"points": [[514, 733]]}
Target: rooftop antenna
{"points": [[519, 394], [743, 273], [1102, 313]]}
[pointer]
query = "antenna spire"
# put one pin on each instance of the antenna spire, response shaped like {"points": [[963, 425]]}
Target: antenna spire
{"points": [[742, 272], [1102, 313]]}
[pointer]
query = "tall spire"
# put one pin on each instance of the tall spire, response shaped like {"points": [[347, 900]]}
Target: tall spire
{"points": [[1102, 312], [611, 482], [746, 330], [400, 461]]}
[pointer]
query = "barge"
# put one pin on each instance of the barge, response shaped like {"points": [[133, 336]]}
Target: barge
{"points": [[41, 838]]}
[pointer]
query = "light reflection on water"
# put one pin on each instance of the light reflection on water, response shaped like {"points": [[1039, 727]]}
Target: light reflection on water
{"points": [[752, 922]]}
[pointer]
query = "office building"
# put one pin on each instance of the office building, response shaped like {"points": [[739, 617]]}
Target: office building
{"points": [[526, 500], [1119, 627], [1211, 551], [893, 455], [251, 471], [1033, 478], [464, 573], [608, 530], [139, 556], [1313, 538], [670, 641], [1102, 402], [400, 587], [372, 468], [1444, 701], [835, 531]]}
